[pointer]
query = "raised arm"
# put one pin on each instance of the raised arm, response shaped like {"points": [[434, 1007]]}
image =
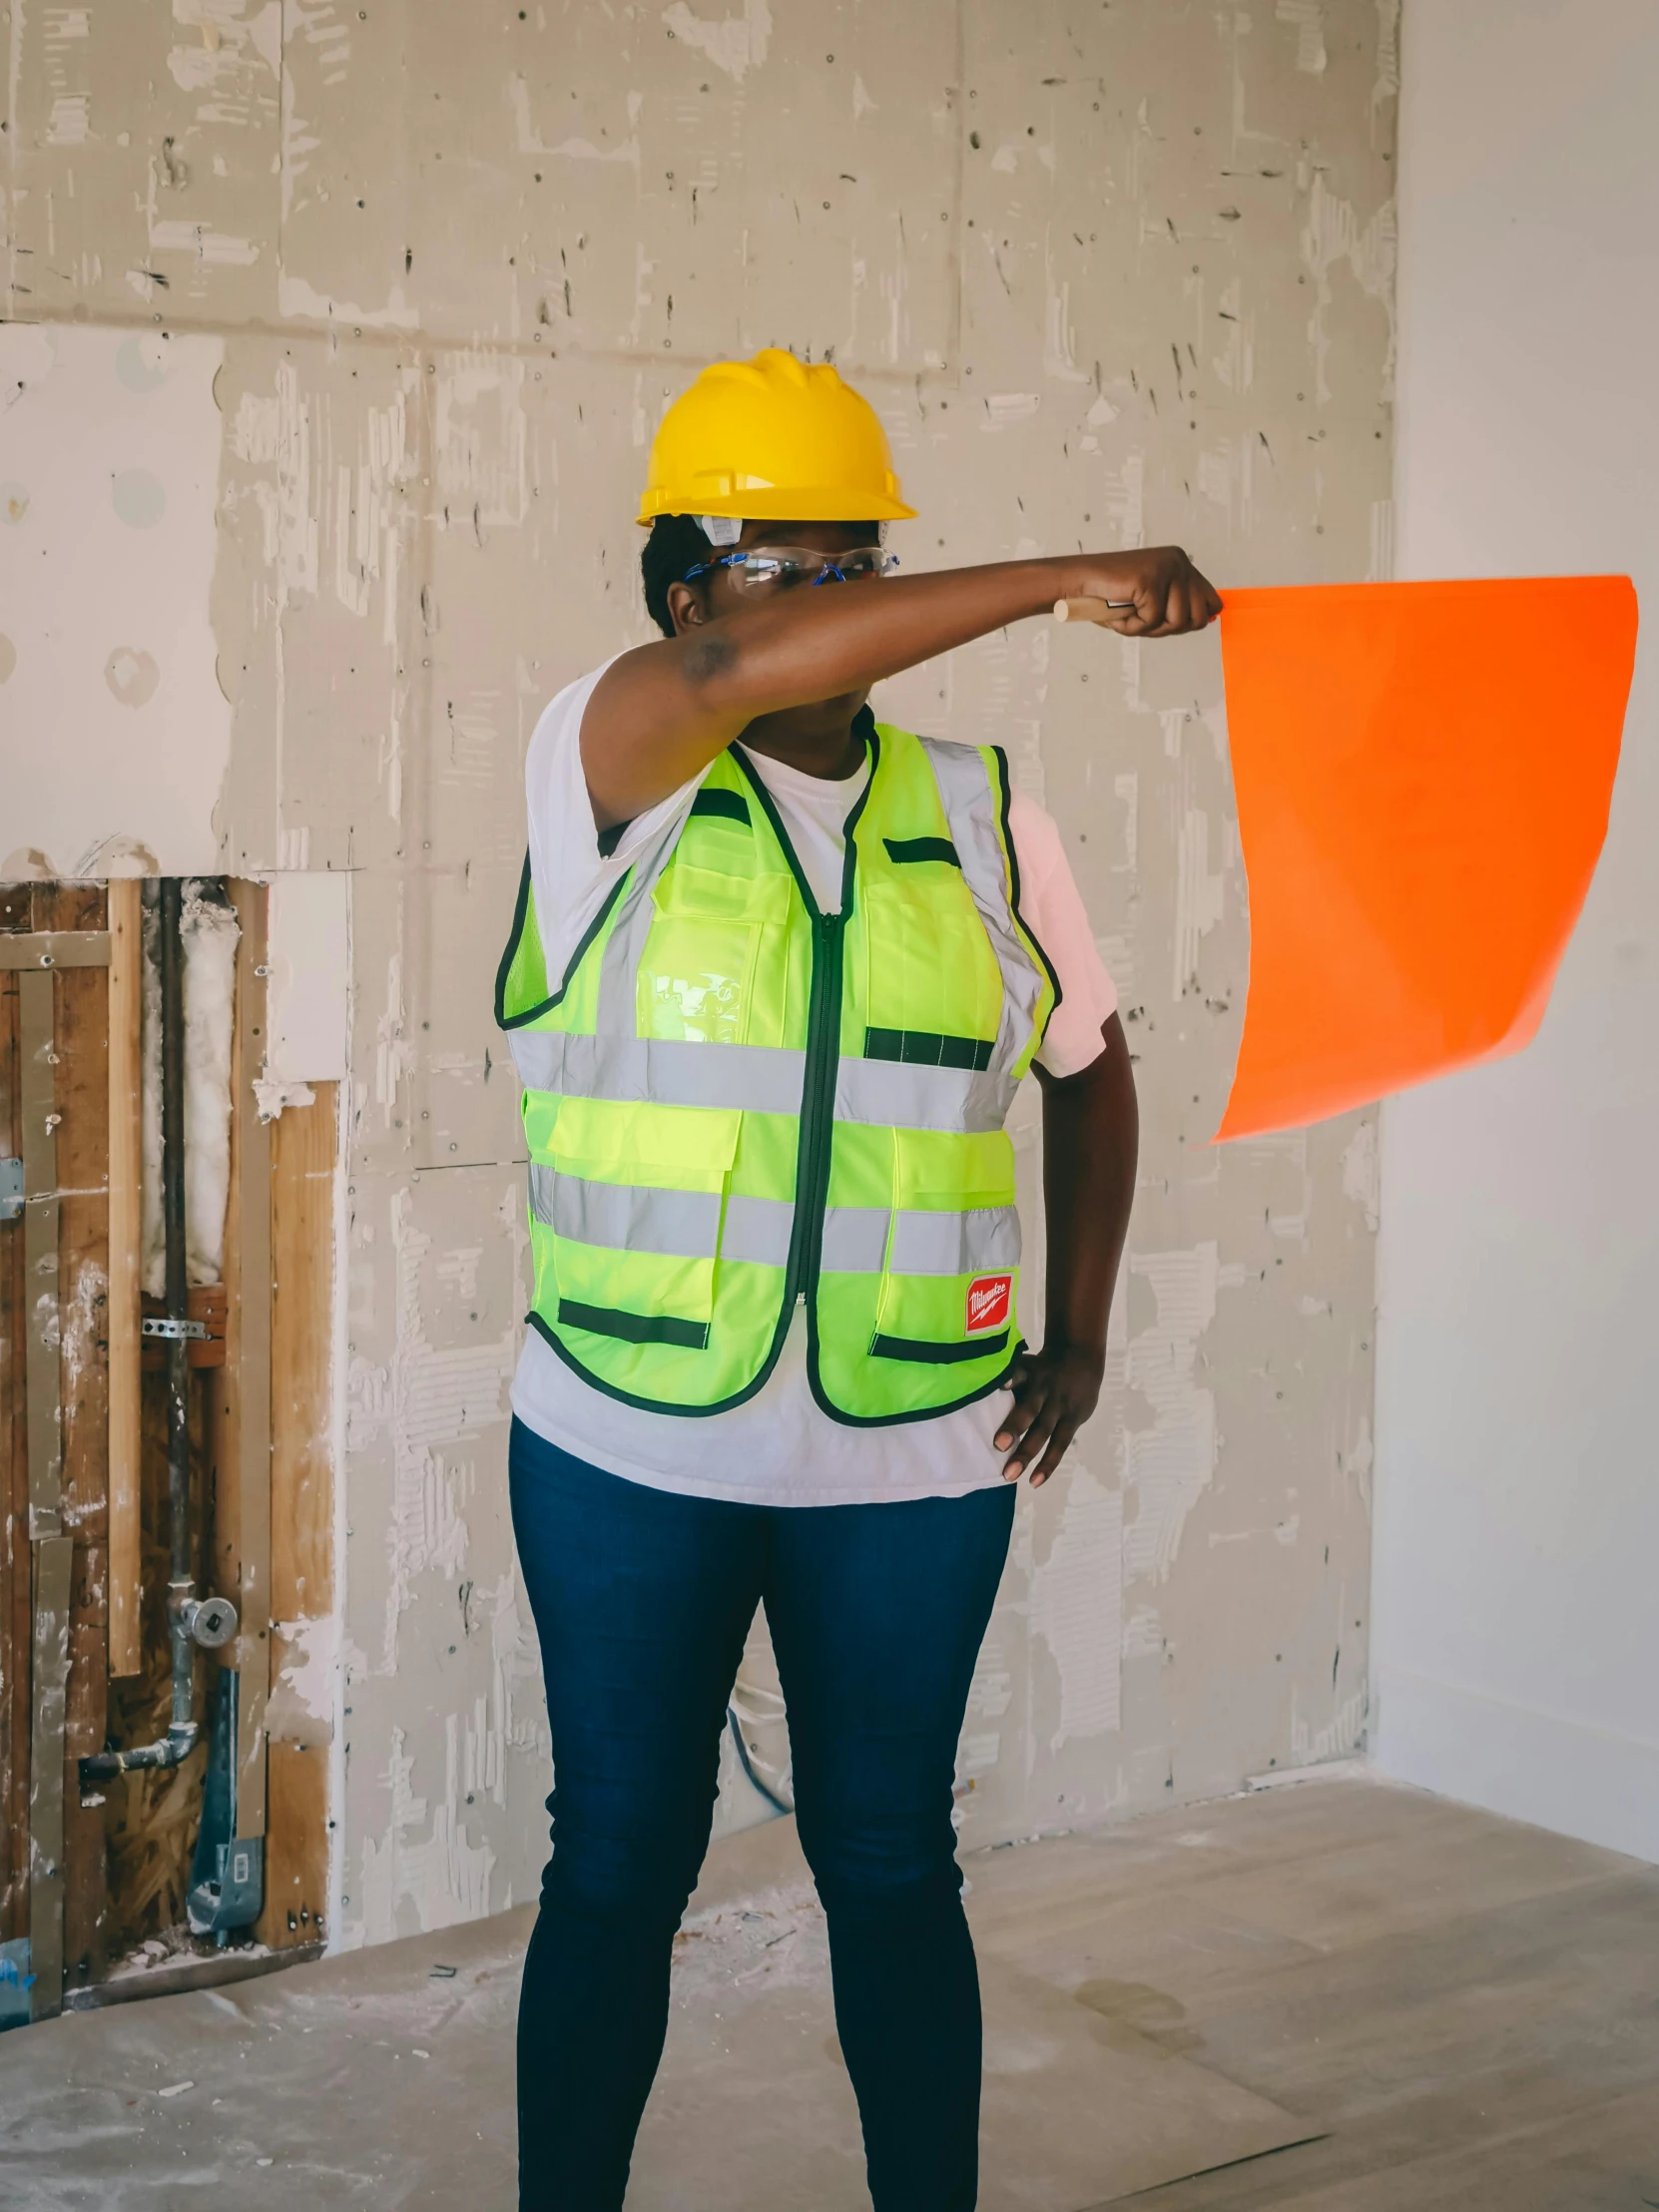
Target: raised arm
{"points": [[660, 715]]}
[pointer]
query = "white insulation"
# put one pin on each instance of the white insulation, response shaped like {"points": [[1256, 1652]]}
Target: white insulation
{"points": [[210, 933]]}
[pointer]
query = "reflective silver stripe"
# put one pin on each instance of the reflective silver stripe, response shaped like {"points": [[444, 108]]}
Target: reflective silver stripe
{"points": [[971, 1243], [899, 1094], [627, 1216], [974, 807], [680, 1225], [630, 926], [687, 1224], [856, 1239], [535, 1053], [541, 1195], [662, 1071], [763, 1079], [757, 1229]]}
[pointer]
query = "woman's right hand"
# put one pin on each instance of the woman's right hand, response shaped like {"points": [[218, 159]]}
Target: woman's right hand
{"points": [[1166, 596]]}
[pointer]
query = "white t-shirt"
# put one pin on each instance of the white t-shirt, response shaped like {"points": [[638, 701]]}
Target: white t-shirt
{"points": [[780, 1447]]}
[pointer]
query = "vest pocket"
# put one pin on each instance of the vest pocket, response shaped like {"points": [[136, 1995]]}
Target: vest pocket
{"points": [[633, 1196], [952, 1258], [697, 979], [932, 975]]}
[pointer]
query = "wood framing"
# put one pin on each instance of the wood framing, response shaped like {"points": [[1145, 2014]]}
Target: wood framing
{"points": [[82, 1491], [83, 1086], [16, 1567], [304, 1144], [242, 1503], [296, 1846], [56, 1556], [126, 1183]]}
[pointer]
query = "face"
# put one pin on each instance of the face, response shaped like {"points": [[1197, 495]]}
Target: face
{"points": [[820, 727], [719, 595]]}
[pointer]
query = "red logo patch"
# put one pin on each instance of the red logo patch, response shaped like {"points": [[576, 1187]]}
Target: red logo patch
{"points": [[988, 1300]]}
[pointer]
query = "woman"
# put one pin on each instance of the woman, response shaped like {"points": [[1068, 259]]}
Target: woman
{"points": [[775, 974]]}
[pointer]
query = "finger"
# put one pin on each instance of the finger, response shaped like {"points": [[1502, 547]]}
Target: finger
{"points": [[1034, 1438], [1021, 1414], [1016, 1440], [1059, 1444], [1024, 1410], [1177, 608], [1031, 1446], [1204, 598], [1149, 604]]}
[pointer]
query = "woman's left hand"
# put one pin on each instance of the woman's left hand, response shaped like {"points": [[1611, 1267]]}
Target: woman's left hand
{"points": [[1056, 1392]]}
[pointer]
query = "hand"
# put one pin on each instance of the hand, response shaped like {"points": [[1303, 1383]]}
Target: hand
{"points": [[1167, 594], [1056, 1392]]}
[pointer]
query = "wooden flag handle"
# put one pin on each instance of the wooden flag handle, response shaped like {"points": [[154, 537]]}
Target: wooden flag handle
{"points": [[1088, 609]]}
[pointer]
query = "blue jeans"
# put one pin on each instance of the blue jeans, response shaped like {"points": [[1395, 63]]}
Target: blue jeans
{"points": [[642, 1600]]}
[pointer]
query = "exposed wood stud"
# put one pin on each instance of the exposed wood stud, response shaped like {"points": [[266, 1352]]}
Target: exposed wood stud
{"points": [[16, 1563], [244, 1496], [305, 1151], [35, 990], [54, 1567], [82, 1090], [126, 1222]]}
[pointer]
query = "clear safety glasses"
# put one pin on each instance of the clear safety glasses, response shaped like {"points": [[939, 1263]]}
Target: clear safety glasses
{"points": [[774, 568]]}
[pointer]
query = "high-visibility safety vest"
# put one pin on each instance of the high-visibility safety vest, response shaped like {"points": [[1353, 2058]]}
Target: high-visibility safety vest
{"points": [[735, 1102]]}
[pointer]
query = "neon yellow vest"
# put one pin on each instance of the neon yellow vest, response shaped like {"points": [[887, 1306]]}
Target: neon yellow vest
{"points": [[734, 1102]]}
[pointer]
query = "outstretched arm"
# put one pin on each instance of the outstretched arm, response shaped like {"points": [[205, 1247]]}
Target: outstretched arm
{"points": [[660, 714], [1091, 1131]]}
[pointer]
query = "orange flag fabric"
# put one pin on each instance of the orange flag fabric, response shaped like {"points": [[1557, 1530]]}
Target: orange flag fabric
{"points": [[1423, 774]]}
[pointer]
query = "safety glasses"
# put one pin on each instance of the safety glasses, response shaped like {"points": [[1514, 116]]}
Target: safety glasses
{"points": [[774, 568]]}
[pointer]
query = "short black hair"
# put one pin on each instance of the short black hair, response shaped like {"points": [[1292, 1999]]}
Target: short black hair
{"points": [[676, 544]]}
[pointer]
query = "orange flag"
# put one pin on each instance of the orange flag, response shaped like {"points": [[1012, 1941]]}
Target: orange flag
{"points": [[1423, 773]]}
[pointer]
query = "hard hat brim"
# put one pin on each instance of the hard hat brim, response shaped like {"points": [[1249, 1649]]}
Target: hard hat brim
{"points": [[788, 503]]}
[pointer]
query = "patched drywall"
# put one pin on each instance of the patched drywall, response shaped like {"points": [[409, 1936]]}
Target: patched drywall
{"points": [[116, 734], [1112, 275]]}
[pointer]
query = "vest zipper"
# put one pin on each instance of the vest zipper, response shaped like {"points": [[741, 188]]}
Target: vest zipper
{"points": [[823, 1039], [818, 1105]]}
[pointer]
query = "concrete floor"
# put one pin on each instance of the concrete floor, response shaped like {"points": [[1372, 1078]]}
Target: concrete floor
{"points": [[1339, 1996]]}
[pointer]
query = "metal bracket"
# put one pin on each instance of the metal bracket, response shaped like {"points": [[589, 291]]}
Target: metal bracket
{"points": [[163, 1325], [11, 1188]]}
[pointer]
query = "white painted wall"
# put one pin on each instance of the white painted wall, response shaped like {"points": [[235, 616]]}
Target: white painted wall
{"points": [[1518, 1536]]}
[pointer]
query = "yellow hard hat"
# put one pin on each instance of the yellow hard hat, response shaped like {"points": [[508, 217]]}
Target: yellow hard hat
{"points": [[773, 440]]}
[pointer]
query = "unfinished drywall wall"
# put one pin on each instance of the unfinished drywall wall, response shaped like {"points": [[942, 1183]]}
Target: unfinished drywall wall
{"points": [[1112, 275], [1518, 1640]]}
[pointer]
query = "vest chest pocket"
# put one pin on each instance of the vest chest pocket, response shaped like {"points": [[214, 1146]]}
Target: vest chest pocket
{"points": [[930, 969], [717, 946]]}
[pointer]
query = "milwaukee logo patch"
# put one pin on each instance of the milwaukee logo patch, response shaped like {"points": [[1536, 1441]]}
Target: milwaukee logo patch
{"points": [[988, 1300]]}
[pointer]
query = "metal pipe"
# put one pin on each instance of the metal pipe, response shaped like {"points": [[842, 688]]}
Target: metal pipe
{"points": [[181, 1606]]}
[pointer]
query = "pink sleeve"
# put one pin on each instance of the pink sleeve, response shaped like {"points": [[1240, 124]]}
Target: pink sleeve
{"points": [[1051, 906]]}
